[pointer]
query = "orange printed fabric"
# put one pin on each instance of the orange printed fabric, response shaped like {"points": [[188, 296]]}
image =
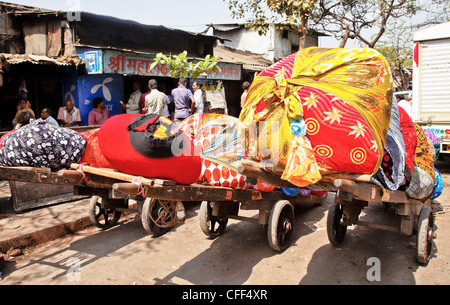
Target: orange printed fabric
{"points": [[92, 154], [215, 137], [320, 111], [423, 158]]}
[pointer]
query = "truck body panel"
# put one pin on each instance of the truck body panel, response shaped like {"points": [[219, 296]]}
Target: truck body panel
{"points": [[431, 82]]}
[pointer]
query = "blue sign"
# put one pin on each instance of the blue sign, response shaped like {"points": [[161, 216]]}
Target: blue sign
{"points": [[107, 86], [93, 60]]}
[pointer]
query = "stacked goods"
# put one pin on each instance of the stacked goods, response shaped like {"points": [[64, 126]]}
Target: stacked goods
{"points": [[318, 112], [423, 177], [93, 155], [438, 185], [410, 140], [43, 146], [434, 142], [215, 136], [391, 174], [322, 112], [149, 146]]}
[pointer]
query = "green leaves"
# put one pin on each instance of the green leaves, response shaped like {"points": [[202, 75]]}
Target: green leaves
{"points": [[179, 66]]}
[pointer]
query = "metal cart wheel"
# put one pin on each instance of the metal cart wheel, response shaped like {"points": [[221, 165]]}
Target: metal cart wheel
{"points": [[102, 218], [158, 216], [281, 225], [335, 230], [425, 235], [212, 226]]}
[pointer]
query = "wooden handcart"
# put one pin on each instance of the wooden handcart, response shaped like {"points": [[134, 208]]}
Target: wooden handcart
{"points": [[353, 194], [161, 202], [416, 217]]}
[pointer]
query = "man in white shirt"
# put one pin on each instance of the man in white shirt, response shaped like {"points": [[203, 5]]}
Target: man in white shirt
{"points": [[198, 97], [404, 104], [133, 102], [69, 116], [156, 100]]}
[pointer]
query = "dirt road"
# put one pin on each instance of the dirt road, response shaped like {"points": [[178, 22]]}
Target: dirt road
{"points": [[126, 255]]}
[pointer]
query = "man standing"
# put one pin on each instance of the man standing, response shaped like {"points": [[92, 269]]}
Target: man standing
{"points": [[183, 99], [198, 97], [142, 101], [69, 116], [46, 115], [245, 86], [156, 100], [133, 103], [99, 114], [404, 104]]}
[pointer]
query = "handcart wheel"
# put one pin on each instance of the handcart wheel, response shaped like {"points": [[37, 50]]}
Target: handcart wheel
{"points": [[102, 218], [212, 226], [281, 225], [336, 231], [158, 216], [425, 235]]}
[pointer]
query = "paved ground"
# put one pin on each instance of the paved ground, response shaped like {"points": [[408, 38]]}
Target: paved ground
{"points": [[38, 225], [125, 254]]}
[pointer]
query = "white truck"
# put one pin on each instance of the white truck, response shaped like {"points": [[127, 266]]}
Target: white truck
{"points": [[431, 82]]}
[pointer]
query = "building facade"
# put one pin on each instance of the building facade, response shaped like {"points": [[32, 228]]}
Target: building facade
{"points": [[80, 56], [273, 46]]}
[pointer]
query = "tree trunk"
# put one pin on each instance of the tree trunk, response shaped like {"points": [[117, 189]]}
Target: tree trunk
{"points": [[345, 36], [304, 32]]}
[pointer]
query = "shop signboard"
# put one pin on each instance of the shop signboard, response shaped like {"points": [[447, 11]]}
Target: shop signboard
{"points": [[139, 64]]}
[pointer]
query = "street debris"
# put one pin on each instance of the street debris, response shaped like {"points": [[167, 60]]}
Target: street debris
{"points": [[314, 226]]}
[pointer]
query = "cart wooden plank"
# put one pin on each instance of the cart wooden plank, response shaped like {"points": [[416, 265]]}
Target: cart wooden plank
{"points": [[197, 192], [110, 173], [373, 193], [34, 175]]}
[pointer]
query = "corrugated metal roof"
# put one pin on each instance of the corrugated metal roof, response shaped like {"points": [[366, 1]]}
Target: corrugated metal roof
{"points": [[19, 9], [235, 26], [227, 27], [14, 59], [249, 61], [111, 32]]}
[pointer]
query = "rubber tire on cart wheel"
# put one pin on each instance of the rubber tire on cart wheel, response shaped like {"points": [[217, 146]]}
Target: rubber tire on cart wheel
{"points": [[110, 217], [212, 226], [281, 225], [336, 232], [425, 235], [149, 225]]}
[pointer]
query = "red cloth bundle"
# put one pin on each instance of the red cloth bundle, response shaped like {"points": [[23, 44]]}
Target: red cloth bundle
{"points": [[149, 146]]}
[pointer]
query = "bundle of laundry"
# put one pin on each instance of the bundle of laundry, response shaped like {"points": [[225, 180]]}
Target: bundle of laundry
{"points": [[408, 161], [320, 111], [391, 174], [438, 185], [43, 146], [423, 177], [434, 142], [215, 137], [149, 146], [93, 156], [410, 140]]}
